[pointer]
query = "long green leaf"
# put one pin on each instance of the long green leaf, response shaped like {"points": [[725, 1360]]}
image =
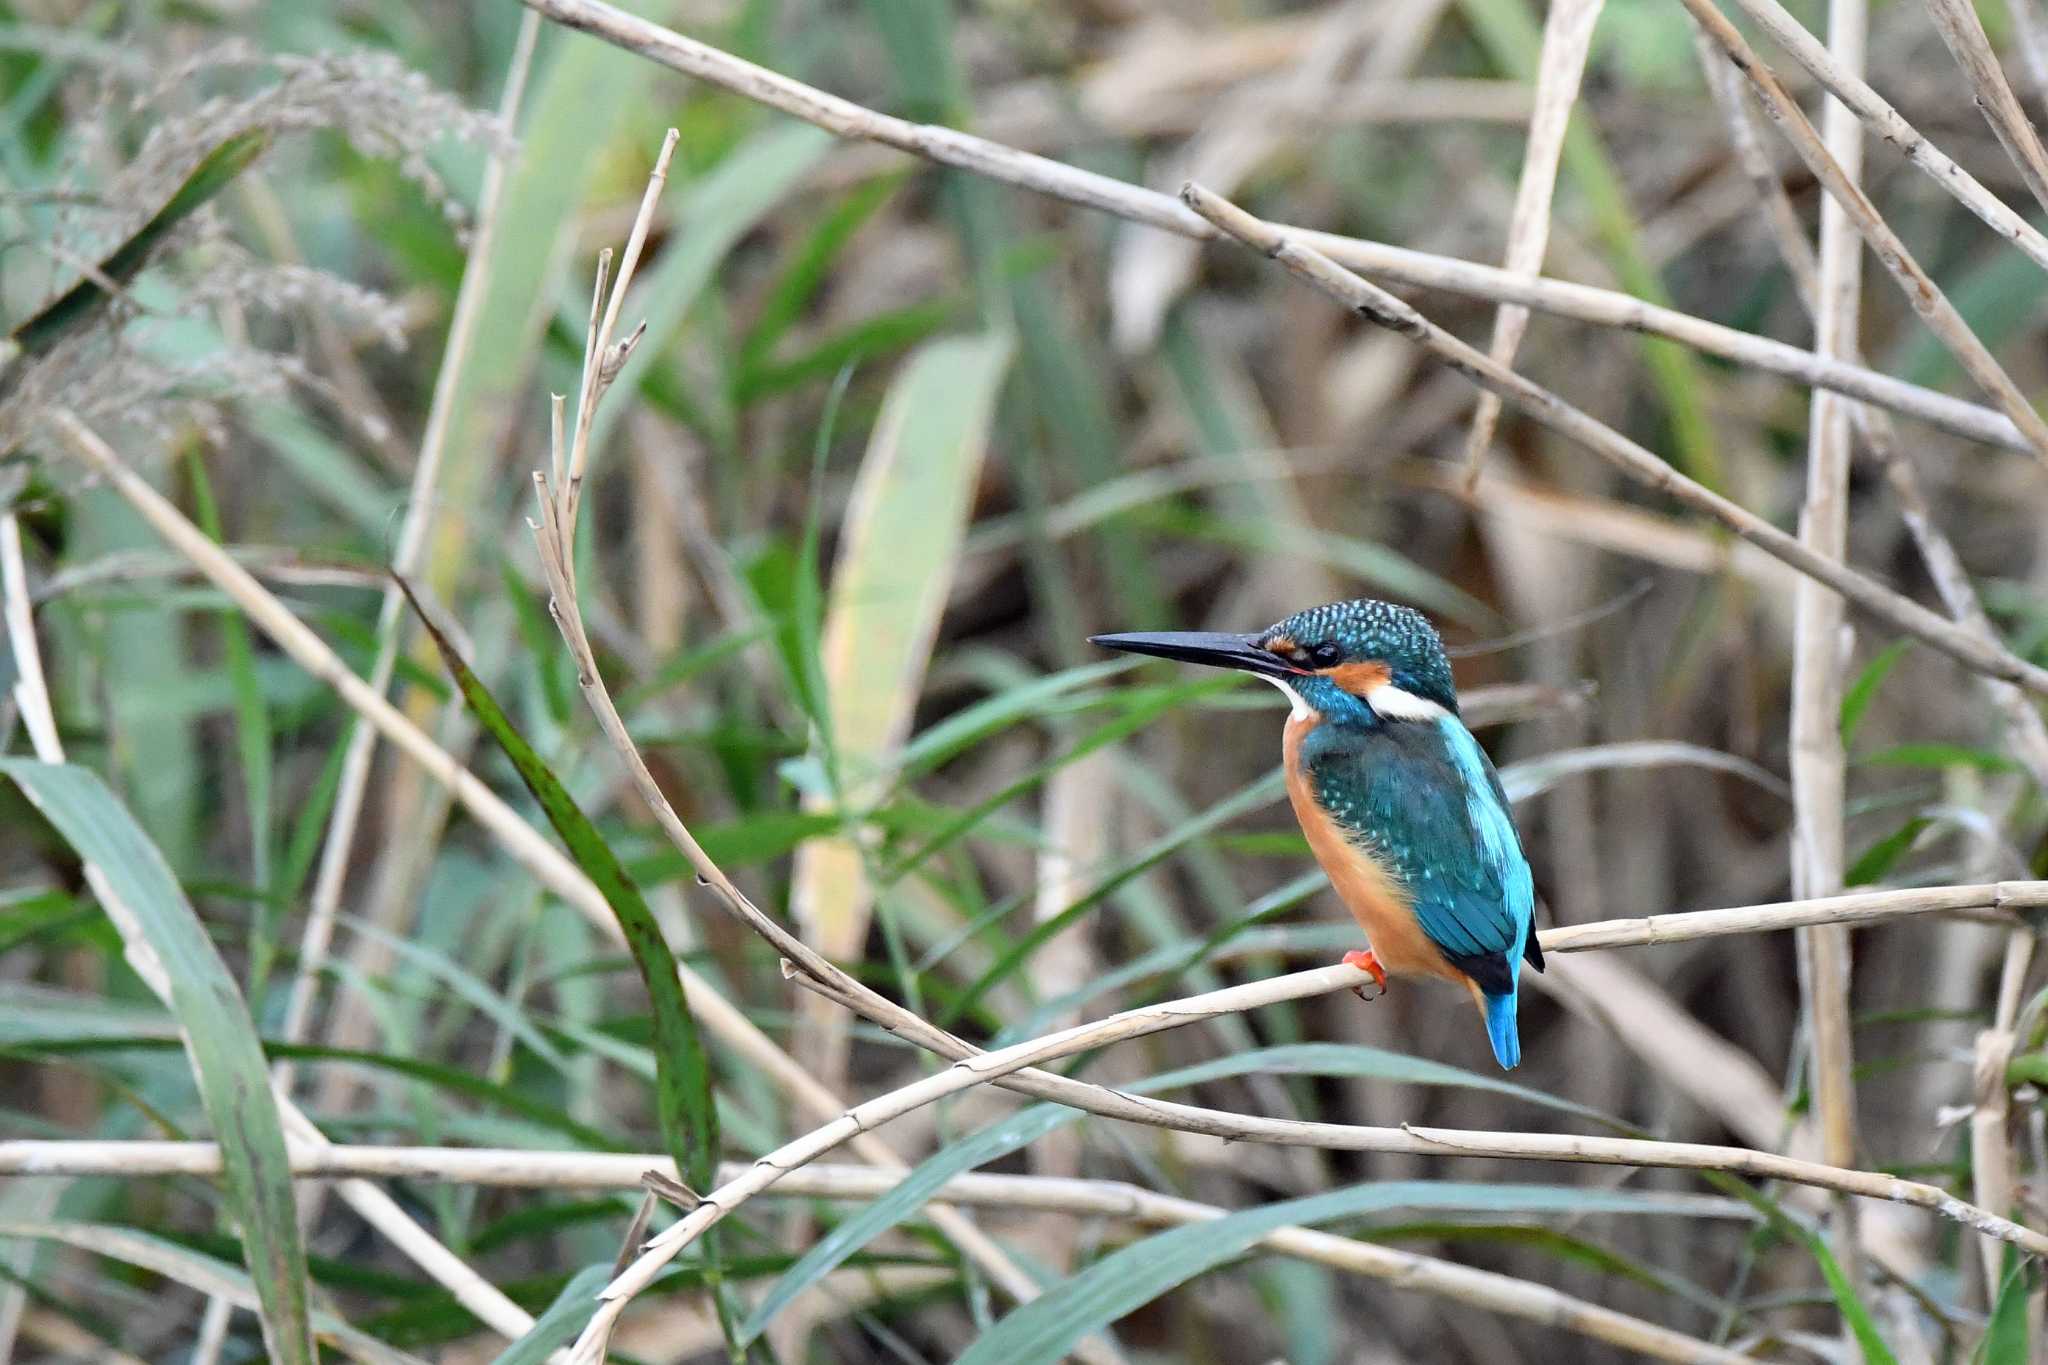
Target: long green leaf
{"points": [[220, 1039], [74, 306], [905, 523], [1861, 1325], [908, 1196], [683, 1081], [1047, 1327], [2007, 1338], [564, 1318]]}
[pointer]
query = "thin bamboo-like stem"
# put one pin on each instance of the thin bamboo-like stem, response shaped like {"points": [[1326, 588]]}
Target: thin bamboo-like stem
{"points": [[950, 147], [1725, 86], [1093, 1198], [2026, 731], [1376, 305], [601, 1170], [602, 357], [377, 1208], [1858, 908], [1851, 89], [1963, 31], [338, 849], [1567, 36], [1819, 763], [1919, 287]]}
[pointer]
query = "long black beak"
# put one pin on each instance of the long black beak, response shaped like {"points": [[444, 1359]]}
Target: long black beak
{"points": [[1214, 648]]}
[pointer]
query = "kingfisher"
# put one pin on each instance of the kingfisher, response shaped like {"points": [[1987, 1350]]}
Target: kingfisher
{"points": [[1401, 806]]}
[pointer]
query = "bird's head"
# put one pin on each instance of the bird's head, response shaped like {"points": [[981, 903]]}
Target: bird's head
{"points": [[1363, 661]]}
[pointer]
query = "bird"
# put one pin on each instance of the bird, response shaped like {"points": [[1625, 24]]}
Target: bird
{"points": [[1401, 807]]}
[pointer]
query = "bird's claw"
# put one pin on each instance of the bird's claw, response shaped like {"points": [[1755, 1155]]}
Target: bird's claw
{"points": [[1363, 959]]}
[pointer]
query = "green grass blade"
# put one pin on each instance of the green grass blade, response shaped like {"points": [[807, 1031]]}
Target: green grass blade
{"points": [[220, 1039], [909, 1195], [806, 272], [2008, 1338], [71, 309], [564, 1318], [1856, 700], [253, 738], [905, 524], [1043, 1330], [1861, 1326], [683, 1082]]}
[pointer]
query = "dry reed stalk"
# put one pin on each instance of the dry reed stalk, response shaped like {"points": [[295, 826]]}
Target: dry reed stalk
{"points": [[376, 1207], [1819, 762], [2026, 730], [1920, 290], [949, 147], [1012, 1193], [1849, 87], [614, 1170], [1378, 306], [1963, 31], [1725, 86], [1856, 909], [1567, 36]]}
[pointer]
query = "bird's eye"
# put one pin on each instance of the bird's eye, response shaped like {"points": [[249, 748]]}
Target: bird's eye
{"points": [[1325, 654]]}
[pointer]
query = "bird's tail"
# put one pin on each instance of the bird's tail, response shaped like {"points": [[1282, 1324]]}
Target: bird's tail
{"points": [[1501, 1030]]}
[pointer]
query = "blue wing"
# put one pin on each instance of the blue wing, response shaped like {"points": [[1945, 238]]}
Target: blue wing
{"points": [[1425, 797]]}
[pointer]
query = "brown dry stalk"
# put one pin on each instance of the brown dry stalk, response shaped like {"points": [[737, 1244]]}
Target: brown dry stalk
{"points": [[1963, 31], [1377, 305], [1042, 175], [1567, 37], [1851, 89], [1919, 287], [1819, 761]]}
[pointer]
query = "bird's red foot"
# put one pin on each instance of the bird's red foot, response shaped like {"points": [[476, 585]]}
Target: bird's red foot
{"points": [[1363, 957]]}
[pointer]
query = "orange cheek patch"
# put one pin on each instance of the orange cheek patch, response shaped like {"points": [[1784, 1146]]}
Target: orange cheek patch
{"points": [[1359, 678], [1280, 644]]}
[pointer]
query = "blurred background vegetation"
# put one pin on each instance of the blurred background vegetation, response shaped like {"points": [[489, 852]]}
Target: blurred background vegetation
{"points": [[895, 442]]}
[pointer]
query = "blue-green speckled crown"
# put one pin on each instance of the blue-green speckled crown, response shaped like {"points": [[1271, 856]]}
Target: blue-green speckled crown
{"points": [[1365, 630]]}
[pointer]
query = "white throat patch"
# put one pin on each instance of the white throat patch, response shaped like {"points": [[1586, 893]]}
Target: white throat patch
{"points": [[1397, 703], [1302, 710]]}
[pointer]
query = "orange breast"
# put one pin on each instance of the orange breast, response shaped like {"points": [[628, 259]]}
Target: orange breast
{"points": [[1369, 891]]}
